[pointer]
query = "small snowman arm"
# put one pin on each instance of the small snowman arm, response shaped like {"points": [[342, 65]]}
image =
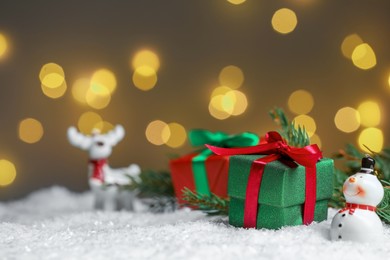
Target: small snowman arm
{"points": [[79, 140], [115, 135]]}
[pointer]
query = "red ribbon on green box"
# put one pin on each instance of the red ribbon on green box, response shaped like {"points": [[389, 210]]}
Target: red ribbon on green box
{"points": [[200, 137], [276, 149]]}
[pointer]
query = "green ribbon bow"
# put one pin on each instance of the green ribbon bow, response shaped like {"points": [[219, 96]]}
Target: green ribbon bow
{"points": [[200, 137]]}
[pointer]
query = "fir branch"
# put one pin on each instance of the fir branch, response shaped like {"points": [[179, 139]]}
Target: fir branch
{"points": [[294, 135], [383, 167], [155, 190], [352, 159], [161, 204], [212, 205], [383, 209], [338, 200], [152, 184]]}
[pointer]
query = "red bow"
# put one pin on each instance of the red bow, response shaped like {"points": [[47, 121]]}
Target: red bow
{"points": [[276, 149], [98, 169]]}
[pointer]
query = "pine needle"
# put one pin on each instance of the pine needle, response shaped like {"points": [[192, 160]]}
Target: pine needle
{"points": [[155, 189], [152, 183], [383, 209], [338, 200], [294, 135], [212, 205]]}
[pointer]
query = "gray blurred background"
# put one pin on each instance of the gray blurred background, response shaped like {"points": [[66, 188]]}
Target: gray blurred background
{"points": [[194, 40]]}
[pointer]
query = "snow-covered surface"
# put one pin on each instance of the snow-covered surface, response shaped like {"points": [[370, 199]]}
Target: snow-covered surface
{"points": [[57, 224]]}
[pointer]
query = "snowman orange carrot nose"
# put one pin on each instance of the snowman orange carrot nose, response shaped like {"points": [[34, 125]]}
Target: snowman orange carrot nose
{"points": [[352, 179]]}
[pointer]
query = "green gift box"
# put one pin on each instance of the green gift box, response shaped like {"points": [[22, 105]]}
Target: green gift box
{"points": [[282, 192], [272, 184]]}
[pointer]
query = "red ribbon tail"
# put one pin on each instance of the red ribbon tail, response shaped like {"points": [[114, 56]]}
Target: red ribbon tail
{"points": [[252, 194], [253, 190], [310, 195]]}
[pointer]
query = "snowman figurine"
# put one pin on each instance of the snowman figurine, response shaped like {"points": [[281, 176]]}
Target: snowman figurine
{"points": [[358, 220]]}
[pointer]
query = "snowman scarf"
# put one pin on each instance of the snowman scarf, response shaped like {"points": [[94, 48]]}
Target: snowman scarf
{"points": [[351, 207]]}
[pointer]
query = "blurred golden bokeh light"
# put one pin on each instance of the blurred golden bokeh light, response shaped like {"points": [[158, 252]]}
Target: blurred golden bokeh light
{"points": [[145, 71], [157, 132], [388, 80], [88, 121], [177, 135], [231, 76], [372, 138], [103, 79], [145, 64], [97, 91], [240, 102], [3, 45], [236, 2], [284, 21], [363, 57], [98, 98], [54, 92], [7, 172], [307, 122], [52, 75], [222, 90], [217, 102], [226, 102], [53, 80], [30, 130], [370, 113], [300, 102], [349, 44], [215, 108], [146, 58], [145, 78], [103, 126], [80, 89], [49, 68], [347, 119]]}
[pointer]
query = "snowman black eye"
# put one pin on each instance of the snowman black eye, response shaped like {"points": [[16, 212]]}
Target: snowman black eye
{"points": [[361, 177]]}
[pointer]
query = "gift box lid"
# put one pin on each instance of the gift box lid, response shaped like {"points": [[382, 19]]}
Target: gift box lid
{"points": [[281, 185]]}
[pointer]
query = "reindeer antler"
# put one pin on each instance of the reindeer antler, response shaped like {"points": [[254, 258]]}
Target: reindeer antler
{"points": [[115, 135], [78, 139]]}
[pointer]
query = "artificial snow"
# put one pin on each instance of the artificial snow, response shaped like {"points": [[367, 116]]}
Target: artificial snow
{"points": [[55, 223]]}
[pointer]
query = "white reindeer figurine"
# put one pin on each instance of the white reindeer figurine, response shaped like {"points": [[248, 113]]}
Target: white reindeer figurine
{"points": [[103, 180]]}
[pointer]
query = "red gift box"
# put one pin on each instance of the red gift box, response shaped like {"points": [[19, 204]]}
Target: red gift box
{"points": [[217, 168], [204, 172]]}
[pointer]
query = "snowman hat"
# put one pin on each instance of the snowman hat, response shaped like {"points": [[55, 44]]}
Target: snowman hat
{"points": [[368, 164]]}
